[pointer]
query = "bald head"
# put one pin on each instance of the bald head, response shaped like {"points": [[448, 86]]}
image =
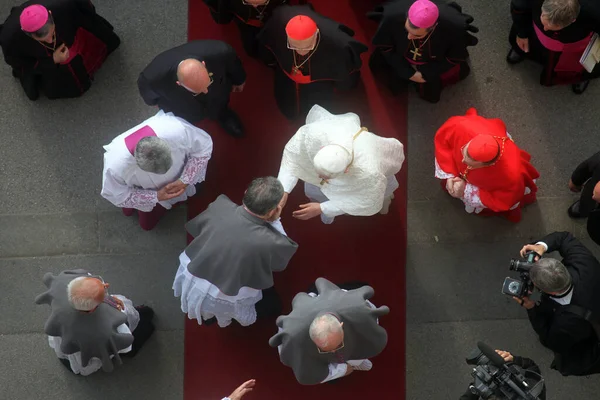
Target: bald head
{"points": [[85, 294], [192, 75], [327, 332]]}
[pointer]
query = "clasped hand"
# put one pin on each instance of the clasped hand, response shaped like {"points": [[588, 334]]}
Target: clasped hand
{"points": [[172, 190], [61, 54], [456, 187]]}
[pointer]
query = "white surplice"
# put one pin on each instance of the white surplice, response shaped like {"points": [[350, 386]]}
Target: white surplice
{"points": [[126, 185], [133, 318], [200, 299]]}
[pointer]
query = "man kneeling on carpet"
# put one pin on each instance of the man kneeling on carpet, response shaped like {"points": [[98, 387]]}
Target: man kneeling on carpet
{"points": [[343, 332], [88, 328], [345, 168], [155, 165], [227, 271]]}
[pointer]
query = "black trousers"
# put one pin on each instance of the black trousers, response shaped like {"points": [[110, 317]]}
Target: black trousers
{"points": [[248, 35], [269, 305]]}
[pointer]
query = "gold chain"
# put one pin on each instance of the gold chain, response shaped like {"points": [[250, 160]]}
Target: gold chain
{"points": [[296, 66], [53, 48], [423, 44]]}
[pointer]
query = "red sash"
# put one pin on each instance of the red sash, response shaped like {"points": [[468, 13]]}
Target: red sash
{"points": [[91, 49], [132, 140], [448, 78], [570, 52], [298, 77]]}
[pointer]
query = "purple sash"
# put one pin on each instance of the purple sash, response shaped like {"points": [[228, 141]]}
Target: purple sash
{"points": [[571, 52], [132, 140]]}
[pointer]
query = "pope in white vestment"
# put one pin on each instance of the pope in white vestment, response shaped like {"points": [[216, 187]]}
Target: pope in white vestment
{"points": [[127, 185], [345, 168]]}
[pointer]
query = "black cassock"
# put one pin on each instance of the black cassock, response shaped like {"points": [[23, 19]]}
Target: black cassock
{"points": [[573, 340], [441, 56], [158, 81], [249, 19], [558, 70], [334, 63], [89, 37]]}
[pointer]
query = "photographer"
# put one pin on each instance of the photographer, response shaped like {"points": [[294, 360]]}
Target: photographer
{"points": [[525, 363], [567, 287]]}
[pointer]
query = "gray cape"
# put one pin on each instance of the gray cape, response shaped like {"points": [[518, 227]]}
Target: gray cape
{"points": [[363, 337], [232, 248], [93, 334]]}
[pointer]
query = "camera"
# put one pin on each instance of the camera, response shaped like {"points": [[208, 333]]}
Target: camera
{"points": [[520, 288], [494, 377]]}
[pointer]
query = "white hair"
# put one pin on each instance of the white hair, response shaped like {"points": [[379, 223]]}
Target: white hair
{"points": [[332, 160], [323, 327], [79, 297]]}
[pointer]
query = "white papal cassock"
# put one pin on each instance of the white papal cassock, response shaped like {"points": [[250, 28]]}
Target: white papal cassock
{"points": [[369, 179], [126, 185]]}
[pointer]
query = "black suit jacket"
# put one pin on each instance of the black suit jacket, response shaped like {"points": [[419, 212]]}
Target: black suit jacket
{"points": [[572, 338], [158, 87]]}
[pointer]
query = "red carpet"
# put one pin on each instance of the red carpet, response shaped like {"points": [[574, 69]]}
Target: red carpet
{"points": [[369, 249]]}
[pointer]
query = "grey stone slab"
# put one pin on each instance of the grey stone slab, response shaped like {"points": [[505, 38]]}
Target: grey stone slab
{"points": [[436, 368], [443, 219], [462, 282], [120, 234], [48, 234], [30, 370], [144, 278]]}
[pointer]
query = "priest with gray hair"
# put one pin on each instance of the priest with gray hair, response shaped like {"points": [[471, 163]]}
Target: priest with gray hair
{"points": [[330, 333], [154, 165], [226, 273], [88, 328], [567, 318]]}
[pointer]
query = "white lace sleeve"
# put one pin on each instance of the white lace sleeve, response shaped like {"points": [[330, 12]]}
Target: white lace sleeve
{"points": [[471, 198], [140, 199], [286, 178], [439, 173], [194, 170], [336, 371], [330, 210]]}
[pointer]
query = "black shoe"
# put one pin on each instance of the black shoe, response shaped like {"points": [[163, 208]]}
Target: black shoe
{"points": [[16, 73], [145, 312], [573, 211], [513, 57], [209, 322], [231, 123], [30, 86], [580, 87]]}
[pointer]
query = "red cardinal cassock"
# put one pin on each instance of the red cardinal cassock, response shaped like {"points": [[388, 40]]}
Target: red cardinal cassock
{"points": [[504, 183]]}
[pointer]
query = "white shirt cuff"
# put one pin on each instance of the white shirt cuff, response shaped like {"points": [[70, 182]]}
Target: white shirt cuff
{"points": [[543, 244], [330, 210]]}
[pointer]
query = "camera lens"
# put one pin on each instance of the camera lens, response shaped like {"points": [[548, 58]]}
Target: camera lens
{"points": [[514, 287]]}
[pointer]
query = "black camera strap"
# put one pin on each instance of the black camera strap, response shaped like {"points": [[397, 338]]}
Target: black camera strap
{"points": [[585, 314]]}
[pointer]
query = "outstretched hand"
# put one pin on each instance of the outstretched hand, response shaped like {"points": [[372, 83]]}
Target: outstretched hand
{"points": [[243, 389], [307, 211]]}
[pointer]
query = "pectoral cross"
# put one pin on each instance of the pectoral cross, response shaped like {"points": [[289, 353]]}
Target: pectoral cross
{"points": [[416, 54]]}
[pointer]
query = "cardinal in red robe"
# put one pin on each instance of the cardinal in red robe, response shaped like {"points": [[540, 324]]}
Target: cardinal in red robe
{"points": [[479, 163]]}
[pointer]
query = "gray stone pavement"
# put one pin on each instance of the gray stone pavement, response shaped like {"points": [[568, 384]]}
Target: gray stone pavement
{"points": [[52, 218], [457, 262]]}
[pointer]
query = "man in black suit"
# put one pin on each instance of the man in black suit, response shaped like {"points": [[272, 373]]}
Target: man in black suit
{"points": [[194, 81], [567, 288]]}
